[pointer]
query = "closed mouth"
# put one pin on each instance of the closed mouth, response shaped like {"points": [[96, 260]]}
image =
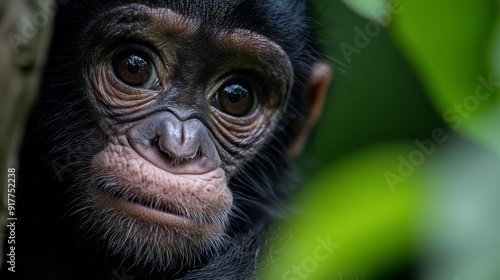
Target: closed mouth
{"points": [[140, 207]]}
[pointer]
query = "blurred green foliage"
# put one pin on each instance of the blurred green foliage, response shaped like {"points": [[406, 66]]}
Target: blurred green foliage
{"points": [[354, 212], [401, 172], [451, 49]]}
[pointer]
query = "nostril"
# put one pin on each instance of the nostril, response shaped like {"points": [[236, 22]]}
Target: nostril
{"points": [[161, 140], [178, 157]]}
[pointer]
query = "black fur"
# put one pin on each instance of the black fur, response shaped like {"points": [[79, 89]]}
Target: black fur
{"points": [[62, 136]]}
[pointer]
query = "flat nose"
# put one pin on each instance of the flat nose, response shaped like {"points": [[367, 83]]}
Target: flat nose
{"points": [[181, 140], [175, 145]]}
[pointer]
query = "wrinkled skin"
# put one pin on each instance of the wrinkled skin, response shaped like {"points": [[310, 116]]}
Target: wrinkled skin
{"points": [[163, 135]]}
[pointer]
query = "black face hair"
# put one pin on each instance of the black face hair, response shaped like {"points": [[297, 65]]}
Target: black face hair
{"points": [[160, 143]]}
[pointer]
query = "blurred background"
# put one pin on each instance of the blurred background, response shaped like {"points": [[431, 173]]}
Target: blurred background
{"points": [[402, 174], [23, 48]]}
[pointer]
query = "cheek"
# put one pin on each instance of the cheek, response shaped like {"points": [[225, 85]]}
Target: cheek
{"points": [[132, 188]]}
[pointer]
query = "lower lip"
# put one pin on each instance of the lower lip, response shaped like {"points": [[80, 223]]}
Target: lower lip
{"points": [[148, 214]]}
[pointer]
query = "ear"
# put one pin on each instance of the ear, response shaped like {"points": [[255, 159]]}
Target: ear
{"points": [[320, 77]]}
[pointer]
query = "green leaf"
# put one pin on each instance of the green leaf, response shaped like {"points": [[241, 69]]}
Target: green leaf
{"points": [[449, 44], [495, 45], [366, 8], [350, 207]]}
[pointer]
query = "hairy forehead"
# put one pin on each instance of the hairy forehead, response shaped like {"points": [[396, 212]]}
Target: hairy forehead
{"points": [[201, 7], [184, 18], [154, 23]]}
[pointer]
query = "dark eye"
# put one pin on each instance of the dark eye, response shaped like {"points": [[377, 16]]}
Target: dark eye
{"points": [[236, 99], [135, 70]]}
